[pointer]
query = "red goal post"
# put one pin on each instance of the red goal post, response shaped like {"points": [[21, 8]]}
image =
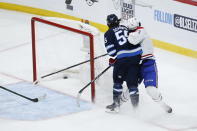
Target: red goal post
{"points": [[91, 41]]}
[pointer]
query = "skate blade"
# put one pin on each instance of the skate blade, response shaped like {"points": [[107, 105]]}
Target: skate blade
{"points": [[112, 111], [169, 110]]}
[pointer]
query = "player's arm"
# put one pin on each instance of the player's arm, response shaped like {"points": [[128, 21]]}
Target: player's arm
{"points": [[109, 45], [137, 36]]}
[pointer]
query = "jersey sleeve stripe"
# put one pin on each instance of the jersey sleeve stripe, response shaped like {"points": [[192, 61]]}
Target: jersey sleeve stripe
{"points": [[148, 56], [112, 52], [118, 90], [127, 53], [109, 46]]}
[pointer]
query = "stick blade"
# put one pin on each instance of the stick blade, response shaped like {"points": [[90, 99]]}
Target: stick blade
{"points": [[78, 97], [42, 97], [36, 82]]}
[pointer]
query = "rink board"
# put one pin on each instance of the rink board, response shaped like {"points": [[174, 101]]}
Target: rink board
{"points": [[55, 104]]}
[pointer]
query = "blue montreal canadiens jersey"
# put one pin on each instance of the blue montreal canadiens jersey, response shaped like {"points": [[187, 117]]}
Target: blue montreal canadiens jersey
{"points": [[117, 44]]}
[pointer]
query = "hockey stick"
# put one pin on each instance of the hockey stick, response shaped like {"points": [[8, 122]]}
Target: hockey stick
{"points": [[33, 100], [79, 93], [36, 82]]}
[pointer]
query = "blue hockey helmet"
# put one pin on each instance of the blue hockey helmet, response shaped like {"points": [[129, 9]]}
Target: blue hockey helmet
{"points": [[112, 20]]}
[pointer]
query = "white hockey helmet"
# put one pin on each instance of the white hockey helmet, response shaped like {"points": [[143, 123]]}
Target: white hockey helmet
{"points": [[133, 23]]}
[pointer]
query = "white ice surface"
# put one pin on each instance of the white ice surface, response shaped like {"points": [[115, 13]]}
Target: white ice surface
{"points": [[177, 82]]}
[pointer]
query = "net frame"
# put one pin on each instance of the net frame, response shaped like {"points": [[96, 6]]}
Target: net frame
{"points": [[91, 41]]}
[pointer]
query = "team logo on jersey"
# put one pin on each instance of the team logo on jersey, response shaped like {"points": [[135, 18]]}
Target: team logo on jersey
{"points": [[150, 80]]}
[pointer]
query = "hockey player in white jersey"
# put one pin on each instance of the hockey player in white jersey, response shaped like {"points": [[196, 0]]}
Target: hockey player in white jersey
{"points": [[148, 72]]}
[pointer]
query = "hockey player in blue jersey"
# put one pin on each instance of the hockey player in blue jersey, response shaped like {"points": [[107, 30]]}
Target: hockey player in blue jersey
{"points": [[125, 58], [148, 71]]}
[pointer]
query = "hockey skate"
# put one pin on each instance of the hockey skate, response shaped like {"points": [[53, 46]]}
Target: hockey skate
{"points": [[166, 107], [114, 107], [134, 100]]}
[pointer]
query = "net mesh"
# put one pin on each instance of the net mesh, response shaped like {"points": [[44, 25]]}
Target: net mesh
{"points": [[57, 49]]}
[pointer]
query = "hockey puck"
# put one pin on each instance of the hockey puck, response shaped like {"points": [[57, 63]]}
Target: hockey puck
{"points": [[65, 77]]}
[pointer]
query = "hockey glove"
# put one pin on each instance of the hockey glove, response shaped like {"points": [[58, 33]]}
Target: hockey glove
{"points": [[112, 61]]}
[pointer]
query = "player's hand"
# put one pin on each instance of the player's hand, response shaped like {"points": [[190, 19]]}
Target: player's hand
{"points": [[112, 61]]}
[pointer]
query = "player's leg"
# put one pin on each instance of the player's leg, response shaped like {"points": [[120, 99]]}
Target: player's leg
{"points": [[150, 76], [133, 86], [117, 91], [132, 80], [118, 73]]}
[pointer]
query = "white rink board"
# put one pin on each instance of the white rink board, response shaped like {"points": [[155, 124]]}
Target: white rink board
{"points": [[157, 29]]}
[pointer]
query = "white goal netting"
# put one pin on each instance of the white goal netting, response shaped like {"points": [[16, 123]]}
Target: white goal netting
{"points": [[57, 49]]}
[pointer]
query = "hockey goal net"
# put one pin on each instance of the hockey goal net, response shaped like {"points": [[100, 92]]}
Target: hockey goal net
{"points": [[60, 43]]}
